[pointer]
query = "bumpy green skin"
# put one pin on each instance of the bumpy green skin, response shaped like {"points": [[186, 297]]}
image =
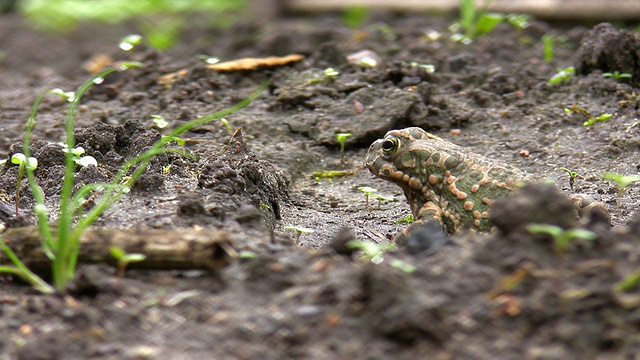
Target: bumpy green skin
{"points": [[442, 181]]}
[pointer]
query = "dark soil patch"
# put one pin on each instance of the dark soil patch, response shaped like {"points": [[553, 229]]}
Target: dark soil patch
{"points": [[508, 294]]}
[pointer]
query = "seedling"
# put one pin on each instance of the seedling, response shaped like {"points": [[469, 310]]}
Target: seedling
{"points": [[617, 75], [629, 283], [209, 60], [399, 264], [381, 198], [225, 122], [128, 42], [385, 29], [124, 259], [299, 231], [63, 249], [572, 176], [247, 255], [601, 118], [622, 181], [78, 158], [159, 121], [562, 75], [342, 138], [175, 139], [577, 109], [329, 174], [355, 16], [122, 66], [429, 68], [371, 251], [518, 21], [331, 72], [405, 220], [561, 240], [547, 48], [561, 237], [23, 162], [477, 22], [69, 96], [368, 191]]}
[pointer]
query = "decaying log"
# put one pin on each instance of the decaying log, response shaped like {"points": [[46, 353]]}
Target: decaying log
{"points": [[207, 249]]}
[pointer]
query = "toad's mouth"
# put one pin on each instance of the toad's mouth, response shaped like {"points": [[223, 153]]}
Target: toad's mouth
{"points": [[374, 161]]}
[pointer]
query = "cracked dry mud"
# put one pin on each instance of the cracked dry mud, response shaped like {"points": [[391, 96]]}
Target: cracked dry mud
{"points": [[508, 295]]}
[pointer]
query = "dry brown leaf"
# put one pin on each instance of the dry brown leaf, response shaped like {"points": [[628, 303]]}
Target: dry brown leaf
{"points": [[248, 64], [97, 63], [168, 79]]}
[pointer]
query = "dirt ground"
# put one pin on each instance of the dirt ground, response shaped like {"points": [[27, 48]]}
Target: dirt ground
{"points": [[507, 295]]}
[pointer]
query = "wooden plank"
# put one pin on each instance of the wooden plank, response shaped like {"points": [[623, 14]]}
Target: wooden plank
{"points": [[549, 9]]}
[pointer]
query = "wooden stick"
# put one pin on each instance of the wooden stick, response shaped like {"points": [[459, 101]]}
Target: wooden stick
{"points": [[164, 249], [550, 9]]}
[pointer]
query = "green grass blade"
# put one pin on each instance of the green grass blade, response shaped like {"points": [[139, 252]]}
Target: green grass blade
{"points": [[66, 250], [21, 270]]}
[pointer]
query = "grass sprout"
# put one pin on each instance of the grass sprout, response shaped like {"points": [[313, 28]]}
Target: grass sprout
{"points": [[371, 251], [622, 181], [562, 75], [600, 118], [123, 259], [23, 163]]}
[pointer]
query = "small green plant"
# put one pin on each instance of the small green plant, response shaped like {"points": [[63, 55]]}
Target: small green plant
{"points": [[176, 139], [23, 162], [227, 126], [244, 254], [371, 251], [159, 121], [368, 191], [123, 259], [547, 48], [429, 68], [329, 174], [617, 75], [299, 231], [342, 138], [355, 16], [331, 72], [62, 248], [572, 176], [562, 75], [561, 237], [129, 42], [209, 60], [629, 283], [69, 96], [622, 181], [77, 153], [405, 220], [518, 21], [476, 22], [381, 198], [399, 264], [600, 118]]}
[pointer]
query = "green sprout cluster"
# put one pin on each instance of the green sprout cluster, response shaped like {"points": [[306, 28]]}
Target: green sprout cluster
{"points": [[62, 246], [562, 75]]}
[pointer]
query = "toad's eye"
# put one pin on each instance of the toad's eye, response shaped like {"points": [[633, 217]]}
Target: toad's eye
{"points": [[390, 145]]}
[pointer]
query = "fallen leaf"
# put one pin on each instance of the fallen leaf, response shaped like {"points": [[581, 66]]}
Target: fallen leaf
{"points": [[248, 64]]}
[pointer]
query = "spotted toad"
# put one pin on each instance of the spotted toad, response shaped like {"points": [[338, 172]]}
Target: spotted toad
{"points": [[442, 181], [446, 183]]}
